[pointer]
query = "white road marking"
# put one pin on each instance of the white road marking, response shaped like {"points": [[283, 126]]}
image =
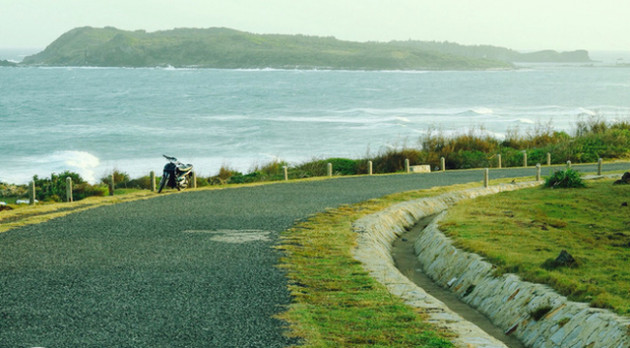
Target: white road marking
{"points": [[234, 236]]}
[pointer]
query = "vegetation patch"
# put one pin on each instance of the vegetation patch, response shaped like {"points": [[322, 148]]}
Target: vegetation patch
{"points": [[526, 231], [568, 178], [335, 301]]}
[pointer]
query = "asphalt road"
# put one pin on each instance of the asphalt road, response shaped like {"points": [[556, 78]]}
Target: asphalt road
{"points": [[195, 269]]}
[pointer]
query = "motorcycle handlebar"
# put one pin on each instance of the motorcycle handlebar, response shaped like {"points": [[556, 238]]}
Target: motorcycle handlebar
{"points": [[172, 159]]}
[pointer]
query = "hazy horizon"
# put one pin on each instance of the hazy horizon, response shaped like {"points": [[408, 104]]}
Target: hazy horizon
{"points": [[561, 25]]}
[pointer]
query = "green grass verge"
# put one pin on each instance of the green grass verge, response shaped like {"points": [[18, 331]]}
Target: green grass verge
{"points": [[523, 231], [335, 301]]}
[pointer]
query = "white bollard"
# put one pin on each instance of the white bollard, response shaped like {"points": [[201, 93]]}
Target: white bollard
{"points": [[286, 173], [68, 189], [152, 176], [499, 159], [407, 169], [31, 193], [111, 185], [330, 168], [548, 159], [443, 163], [600, 163], [524, 159], [369, 167], [538, 170]]}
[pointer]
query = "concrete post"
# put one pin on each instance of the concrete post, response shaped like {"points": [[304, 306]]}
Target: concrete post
{"points": [[548, 159], [369, 167], [443, 163], [69, 189], [499, 159], [285, 170], [111, 185], [486, 177], [569, 164], [330, 169], [31, 193], [152, 176], [538, 170], [407, 170], [194, 180], [599, 166], [524, 159]]}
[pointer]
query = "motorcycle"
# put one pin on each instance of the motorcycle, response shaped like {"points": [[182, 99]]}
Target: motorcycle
{"points": [[176, 174]]}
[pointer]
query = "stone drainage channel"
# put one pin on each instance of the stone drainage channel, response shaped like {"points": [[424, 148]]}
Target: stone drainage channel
{"points": [[404, 255], [506, 300]]}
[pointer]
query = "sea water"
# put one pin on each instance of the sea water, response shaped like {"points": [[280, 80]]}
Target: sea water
{"points": [[95, 120]]}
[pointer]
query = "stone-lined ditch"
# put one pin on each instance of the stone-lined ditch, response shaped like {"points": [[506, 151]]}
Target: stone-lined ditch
{"points": [[406, 261], [508, 301]]}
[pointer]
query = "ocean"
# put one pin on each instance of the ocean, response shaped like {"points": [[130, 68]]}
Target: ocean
{"points": [[94, 120]]}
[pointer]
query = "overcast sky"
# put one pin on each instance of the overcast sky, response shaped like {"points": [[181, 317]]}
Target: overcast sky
{"points": [[522, 25]]}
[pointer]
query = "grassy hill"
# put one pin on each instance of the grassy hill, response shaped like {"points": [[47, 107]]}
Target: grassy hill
{"points": [[227, 48]]}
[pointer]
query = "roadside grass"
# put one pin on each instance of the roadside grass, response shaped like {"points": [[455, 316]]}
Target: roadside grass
{"points": [[23, 214], [335, 301], [523, 231]]}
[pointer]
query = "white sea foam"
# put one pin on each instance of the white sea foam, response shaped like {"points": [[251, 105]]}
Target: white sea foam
{"points": [[482, 111], [526, 120], [588, 112], [402, 119], [80, 162]]}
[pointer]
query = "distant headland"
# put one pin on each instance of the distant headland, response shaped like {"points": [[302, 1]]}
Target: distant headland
{"points": [[232, 49]]}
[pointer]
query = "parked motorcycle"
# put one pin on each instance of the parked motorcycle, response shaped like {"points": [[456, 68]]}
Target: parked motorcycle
{"points": [[176, 174]]}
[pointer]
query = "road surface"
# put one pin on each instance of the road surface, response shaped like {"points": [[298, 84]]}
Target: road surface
{"points": [[196, 269]]}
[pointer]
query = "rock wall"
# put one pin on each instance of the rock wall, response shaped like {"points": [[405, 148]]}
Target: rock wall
{"points": [[508, 301]]}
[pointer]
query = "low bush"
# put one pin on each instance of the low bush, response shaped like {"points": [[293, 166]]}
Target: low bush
{"points": [[240, 178], [568, 178], [53, 189], [140, 183], [121, 179], [393, 160]]}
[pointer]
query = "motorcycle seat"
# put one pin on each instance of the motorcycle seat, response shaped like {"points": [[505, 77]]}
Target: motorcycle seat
{"points": [[185, 167]]}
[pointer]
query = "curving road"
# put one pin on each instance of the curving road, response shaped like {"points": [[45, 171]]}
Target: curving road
{"points": [[190, 270]]}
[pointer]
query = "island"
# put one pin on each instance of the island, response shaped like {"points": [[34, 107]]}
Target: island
{"points": [[225, 48], [7, 63]]}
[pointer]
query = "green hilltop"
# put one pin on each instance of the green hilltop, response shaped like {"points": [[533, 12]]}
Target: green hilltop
{"points": [[231, 49]]}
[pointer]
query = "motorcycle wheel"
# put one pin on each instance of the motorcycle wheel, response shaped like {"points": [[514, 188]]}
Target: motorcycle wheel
{"points": [[163, 182]]}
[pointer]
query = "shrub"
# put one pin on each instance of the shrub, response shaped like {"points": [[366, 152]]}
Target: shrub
{"points": [[343, 166], [271, 169], [7, 190], [85, 190], [54, 188], [568, 178], [141, 183], [239, 178], [468, 159], [393, 160], [121, 179]]}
